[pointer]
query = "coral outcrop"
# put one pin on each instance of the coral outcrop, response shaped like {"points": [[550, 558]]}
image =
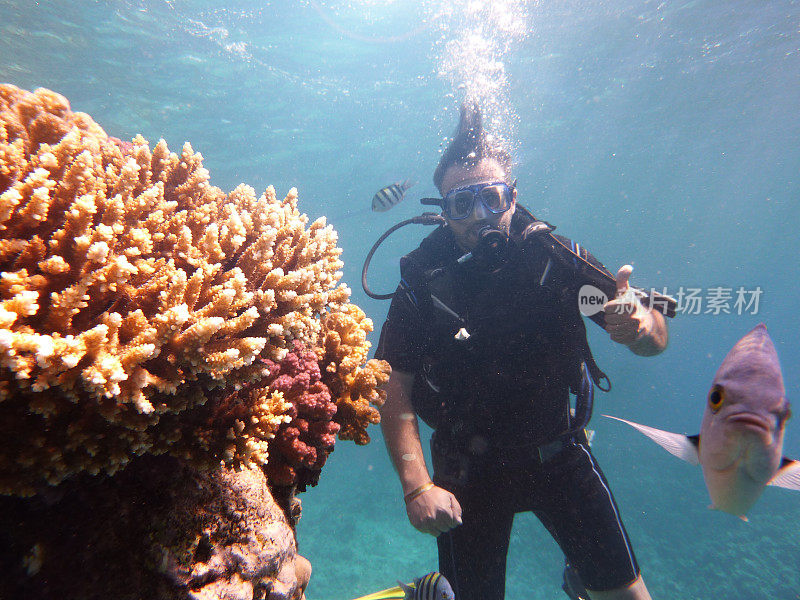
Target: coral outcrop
{"points": [[157, 529], [175, 363], [145, 311]]}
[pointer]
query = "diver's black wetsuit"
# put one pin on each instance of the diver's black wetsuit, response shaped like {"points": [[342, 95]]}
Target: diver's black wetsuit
{"points": [[498, 401]]}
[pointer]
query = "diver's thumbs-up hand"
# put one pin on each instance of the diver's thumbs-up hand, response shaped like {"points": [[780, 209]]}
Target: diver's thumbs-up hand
{"points": [[626, 318], [622, 277]]}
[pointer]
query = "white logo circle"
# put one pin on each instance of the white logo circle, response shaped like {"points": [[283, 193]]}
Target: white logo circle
{"points": [[591, 300]]}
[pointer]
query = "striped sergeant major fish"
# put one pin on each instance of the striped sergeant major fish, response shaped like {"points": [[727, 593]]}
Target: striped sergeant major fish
{"points": [[433, 586], [391, 195], [740, 444]]}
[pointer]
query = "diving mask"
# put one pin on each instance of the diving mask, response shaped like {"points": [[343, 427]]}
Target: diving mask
{"points": [[459, 203]]}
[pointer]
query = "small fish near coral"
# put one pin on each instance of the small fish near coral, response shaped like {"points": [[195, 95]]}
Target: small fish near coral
{"points": [[390, 196], [433, 586], [740, 443]]}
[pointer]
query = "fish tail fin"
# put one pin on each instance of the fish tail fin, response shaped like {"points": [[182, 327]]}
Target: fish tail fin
{"points": [[409, 183], [395, 593], [408, 590], [682, 446]]}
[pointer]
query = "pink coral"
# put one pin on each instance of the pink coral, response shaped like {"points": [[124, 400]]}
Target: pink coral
{"points": [[301, 447]]}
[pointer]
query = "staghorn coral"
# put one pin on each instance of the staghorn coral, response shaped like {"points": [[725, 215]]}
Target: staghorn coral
{"points": [[305, 435], [301, 430], [140, 305], [342, 352], [246, 420]]}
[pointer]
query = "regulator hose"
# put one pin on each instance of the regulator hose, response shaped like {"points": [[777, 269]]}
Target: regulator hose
{"points": [[428, 218]]}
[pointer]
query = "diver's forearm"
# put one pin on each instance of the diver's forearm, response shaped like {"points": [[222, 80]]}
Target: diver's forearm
{"points": [[655, 337], [401, 433], [405, 449]]}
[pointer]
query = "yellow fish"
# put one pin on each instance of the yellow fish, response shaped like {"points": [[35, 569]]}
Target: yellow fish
{"points": [[433, 586]]}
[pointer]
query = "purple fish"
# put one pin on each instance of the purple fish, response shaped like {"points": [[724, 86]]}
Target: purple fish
{"points": [[741, 438]]}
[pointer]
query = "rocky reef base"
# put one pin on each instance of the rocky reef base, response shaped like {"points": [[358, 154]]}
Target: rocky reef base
{"points": [[158, 529]]}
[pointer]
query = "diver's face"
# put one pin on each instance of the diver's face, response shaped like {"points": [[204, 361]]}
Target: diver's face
{"points": [[466, 230]]}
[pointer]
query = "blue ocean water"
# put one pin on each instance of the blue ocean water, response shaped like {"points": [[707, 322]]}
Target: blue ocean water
{"points": [[664, 134]]}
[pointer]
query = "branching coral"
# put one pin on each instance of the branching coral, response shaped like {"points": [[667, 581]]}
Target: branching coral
{"points": [[301, 440], [136, 299], [342, 352], [301, 446]]}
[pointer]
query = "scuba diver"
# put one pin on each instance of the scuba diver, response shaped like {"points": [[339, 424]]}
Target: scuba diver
{"points": [[486, 342]]}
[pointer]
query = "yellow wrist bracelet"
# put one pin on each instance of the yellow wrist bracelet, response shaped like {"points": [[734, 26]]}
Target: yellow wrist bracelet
{"points": [[418, 491]]}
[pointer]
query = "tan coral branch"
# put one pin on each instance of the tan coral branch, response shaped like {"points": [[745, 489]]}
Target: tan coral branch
{"points": [[134, 294]]}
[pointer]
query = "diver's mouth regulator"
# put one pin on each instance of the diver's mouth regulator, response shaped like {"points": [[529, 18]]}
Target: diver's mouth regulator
{"points": [[491, 249]]}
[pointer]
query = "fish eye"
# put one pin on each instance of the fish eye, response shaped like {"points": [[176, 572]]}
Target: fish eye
{"points": [[716, 397]]}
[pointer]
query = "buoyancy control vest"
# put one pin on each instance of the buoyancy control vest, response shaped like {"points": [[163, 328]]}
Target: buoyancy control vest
{"points": [[503, 347]]}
